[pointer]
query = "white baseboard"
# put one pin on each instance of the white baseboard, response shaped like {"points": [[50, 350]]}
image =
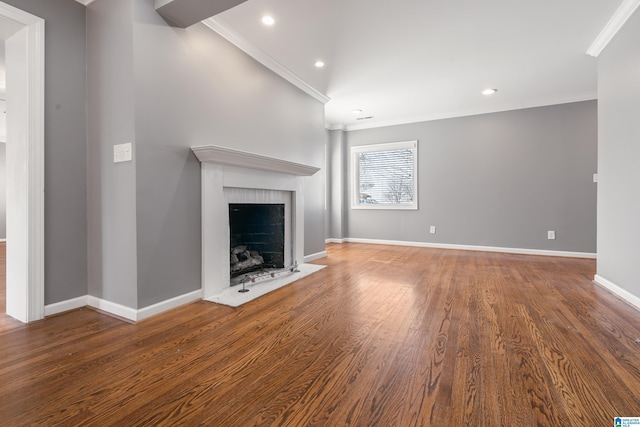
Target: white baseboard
{"points": [[112, 308], [622, 293], [3, 240], [332, 240], [475, 248], [169, 304], [313, 257], [121, 310], [61, 307]]}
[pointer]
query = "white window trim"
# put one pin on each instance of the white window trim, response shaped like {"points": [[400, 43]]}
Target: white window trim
{"points": [[354, 174]]}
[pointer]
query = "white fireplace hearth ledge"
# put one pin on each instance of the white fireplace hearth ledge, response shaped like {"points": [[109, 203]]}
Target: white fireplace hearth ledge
{"points": [[233, 176], [233, 298]]}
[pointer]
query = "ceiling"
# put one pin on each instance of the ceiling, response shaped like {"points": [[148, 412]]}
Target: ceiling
{"points": [[8, 28], [412, 60]]}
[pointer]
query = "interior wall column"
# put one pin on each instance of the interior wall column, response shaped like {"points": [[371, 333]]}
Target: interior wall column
{"points": [[338, 192]]}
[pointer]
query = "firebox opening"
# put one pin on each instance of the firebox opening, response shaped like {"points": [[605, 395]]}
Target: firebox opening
{"points": [[257, 237]]}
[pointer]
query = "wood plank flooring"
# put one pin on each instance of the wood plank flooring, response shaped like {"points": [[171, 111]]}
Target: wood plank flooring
{"points": [[3, 275], [385, 336]]}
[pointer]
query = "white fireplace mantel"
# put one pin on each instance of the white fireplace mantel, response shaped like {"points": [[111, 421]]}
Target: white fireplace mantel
{"points": [[223, 169], [230, 157]]}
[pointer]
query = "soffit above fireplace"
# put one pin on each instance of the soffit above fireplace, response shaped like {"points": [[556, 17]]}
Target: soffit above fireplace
{"points": [[231, 157]]}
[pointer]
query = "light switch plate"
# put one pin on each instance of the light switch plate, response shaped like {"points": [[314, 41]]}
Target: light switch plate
{"points": [[122, 153]]}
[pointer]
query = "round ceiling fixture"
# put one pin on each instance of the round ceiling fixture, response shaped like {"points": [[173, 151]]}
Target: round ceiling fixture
{"points": [[268, 20], [489, 91], [319, 64]]}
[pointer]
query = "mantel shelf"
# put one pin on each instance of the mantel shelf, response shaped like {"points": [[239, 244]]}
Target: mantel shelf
{"points": [[230, 157]]}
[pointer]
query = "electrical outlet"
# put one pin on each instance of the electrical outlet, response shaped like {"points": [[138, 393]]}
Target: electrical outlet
{"points": [[551, 235], [432, 229]]}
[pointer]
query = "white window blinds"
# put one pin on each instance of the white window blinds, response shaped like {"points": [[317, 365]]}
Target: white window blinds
{"points": [[384, 176]]}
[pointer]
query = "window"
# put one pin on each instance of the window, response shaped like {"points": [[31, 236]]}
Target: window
{"points": [[385, 176]]}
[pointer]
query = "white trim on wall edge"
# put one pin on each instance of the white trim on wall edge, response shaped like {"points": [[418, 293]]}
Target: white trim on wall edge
{"points": [[475, 248], [62, 306], [169, 304], [112, 308], [617, 21], [120, 310], [589, 96], [3, 240], [617, 290], [259, 55], [332, 240], [33, 307], [313, 257]]}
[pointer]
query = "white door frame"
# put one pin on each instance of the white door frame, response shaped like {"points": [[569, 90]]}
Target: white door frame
{"points": [[25, 266]]}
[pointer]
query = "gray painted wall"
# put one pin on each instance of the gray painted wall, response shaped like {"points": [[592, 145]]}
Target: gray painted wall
{"points": [[192, 88], [337, 169], [618, 154], [112, 186], [498, 180], [3, 191], [65, 147]]}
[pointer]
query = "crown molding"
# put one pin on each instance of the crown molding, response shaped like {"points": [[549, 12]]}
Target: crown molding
{"points": [[266, 60], [590, 96], [334, 126], [616, 22]]}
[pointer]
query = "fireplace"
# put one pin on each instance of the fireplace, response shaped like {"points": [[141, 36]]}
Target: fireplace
{"points": [[260, 232], [231, 177], [256, 237]]}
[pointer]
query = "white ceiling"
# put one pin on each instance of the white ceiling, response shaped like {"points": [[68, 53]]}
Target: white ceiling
{"points": [[412, 60], [8, 28]]}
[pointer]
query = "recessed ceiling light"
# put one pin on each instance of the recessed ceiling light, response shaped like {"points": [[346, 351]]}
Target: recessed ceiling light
{"points": [[319, 64], [489, 91], [268, 20], [356, 111]]}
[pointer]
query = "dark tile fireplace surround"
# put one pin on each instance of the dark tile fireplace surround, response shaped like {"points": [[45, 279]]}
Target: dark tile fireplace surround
{"points": [[256, 233]]}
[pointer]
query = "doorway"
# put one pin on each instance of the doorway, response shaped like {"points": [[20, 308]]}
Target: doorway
{"points": [[7, 29], [24, 58]]}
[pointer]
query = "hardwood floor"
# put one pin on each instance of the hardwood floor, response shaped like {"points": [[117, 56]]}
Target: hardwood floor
{"points": [[3, 277], [385, 336]]}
